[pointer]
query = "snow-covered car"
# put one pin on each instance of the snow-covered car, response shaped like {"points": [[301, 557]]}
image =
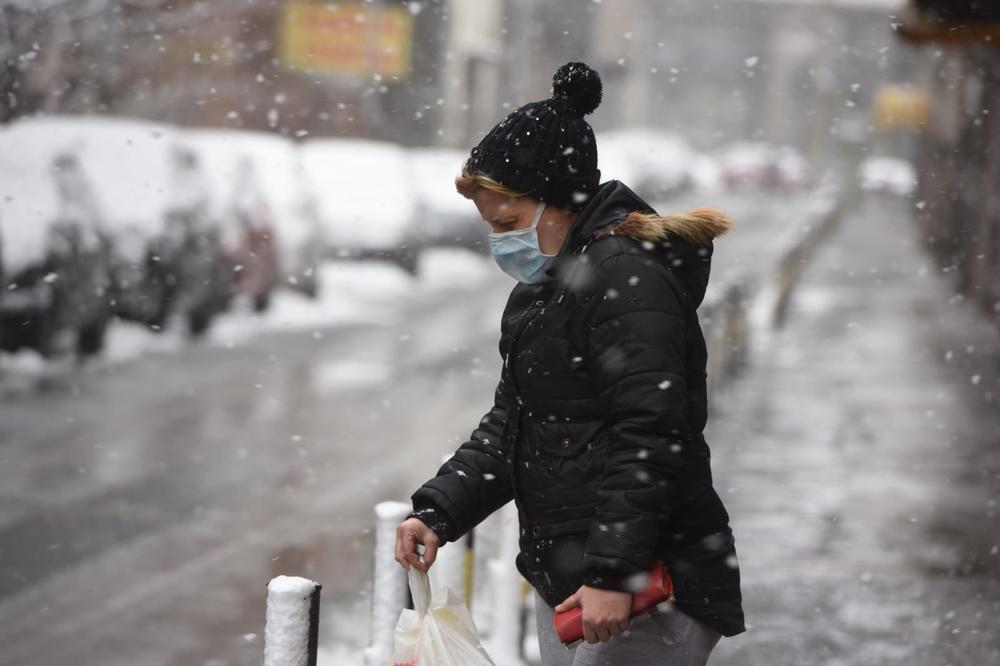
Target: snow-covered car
{"points": [[655, 163], [364, 198], [267, 221], [444, 218], [239, 214], [890, 175], [761, 165], [198, 282], [55, 282], [154, 203]]}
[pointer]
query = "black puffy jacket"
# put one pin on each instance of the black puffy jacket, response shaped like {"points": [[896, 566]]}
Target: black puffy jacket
{"points": [[596, 430]]}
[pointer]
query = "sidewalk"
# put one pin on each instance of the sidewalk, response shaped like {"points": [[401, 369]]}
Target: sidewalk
{"points": [[859, 456]]}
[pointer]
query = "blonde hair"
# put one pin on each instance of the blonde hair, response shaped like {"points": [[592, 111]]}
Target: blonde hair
{"points": [[468, 183], [698, 225]]}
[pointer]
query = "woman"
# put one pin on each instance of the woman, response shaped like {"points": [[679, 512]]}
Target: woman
{"points": [[596, 429]]}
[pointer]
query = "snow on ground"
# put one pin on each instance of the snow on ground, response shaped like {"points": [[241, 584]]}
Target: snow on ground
{"points": [[339, 656], [350, 292]]}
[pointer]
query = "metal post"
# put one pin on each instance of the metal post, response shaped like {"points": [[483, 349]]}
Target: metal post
{"points": [[291, 632]]}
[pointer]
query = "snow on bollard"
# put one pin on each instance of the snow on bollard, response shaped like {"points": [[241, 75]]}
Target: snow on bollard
{"points": [[450, 569], [391, 590], [291, 631]]}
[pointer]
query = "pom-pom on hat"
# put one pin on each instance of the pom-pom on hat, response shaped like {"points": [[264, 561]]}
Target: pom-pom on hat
{"points": [[546, 149]]}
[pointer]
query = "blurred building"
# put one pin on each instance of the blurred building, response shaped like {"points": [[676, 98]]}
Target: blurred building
{"points": [[292, 66], [788, 71], [958, 199], [785, 71], [442, 71]]}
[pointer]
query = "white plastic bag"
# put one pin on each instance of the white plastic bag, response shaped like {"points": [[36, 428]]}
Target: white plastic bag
{"points": [[439, 631]]}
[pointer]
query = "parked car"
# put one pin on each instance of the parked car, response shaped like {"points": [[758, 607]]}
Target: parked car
{"points": [[268, 224], [655, 163], [444, 218], [56, 256], [197, 282], [888, 175], [759, 165], [364, 198], [166, 260], [239, 214]]}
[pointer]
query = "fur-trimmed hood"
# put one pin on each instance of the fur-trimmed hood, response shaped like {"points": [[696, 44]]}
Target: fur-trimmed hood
{"points": [[686, 240]]}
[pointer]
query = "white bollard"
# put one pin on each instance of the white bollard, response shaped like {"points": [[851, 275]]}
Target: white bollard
{"points": [[449, 566], [291, 629], [390, 592], [487, 540], [505, 631], [448, 569]]}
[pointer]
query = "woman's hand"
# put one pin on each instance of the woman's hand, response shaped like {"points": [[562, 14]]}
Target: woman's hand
{"points": [[605, 612], [409, 533]]}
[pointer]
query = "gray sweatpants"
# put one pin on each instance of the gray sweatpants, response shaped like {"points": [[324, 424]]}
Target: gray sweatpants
{"points": [[662, 638]]}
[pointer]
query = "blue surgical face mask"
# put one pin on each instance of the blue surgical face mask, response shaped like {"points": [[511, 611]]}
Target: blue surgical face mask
{"points": [[517, 252]]}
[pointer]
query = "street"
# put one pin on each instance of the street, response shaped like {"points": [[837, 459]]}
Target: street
{"points": [[147, 503]]}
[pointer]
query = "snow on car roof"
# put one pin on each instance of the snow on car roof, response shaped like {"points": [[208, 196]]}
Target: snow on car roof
{"points": [[29, 202], [128, 165], [362, 189], [275, 165], [277, 173], [125, 162], [753, 154], [626, 154], [434, 171]]}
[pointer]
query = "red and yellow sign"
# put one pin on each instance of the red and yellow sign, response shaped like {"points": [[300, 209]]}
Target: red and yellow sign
{"points": [[901, 108], [346, 38]]}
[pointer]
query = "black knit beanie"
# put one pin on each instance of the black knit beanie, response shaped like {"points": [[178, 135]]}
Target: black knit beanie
{"points": [[546, 149]]}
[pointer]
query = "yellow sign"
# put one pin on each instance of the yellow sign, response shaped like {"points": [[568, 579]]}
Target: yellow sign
{"points": [[897, 107], [346, 38]]}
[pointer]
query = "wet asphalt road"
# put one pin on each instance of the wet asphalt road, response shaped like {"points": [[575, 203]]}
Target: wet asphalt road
{"points": [[144, 505]]}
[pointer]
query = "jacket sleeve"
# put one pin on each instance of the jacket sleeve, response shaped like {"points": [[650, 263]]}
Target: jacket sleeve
{"points": [[636, 351], [473, 483]]}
